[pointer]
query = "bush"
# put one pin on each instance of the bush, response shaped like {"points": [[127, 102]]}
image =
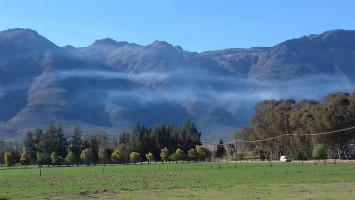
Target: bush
{"points": [[240, 156], [319, 152], [299, 156], [174, 157]]}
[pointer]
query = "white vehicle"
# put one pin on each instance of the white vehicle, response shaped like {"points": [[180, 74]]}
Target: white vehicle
{"points": [[285, 159]]}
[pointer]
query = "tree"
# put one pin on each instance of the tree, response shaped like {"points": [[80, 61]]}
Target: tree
{"points": [[164, 154], [25, 159], [2, 157], [202, 152], [56, 160], [192, 155], [70, 158], [40, 159], [247, 133], [221, 151], [16, 152], [174, 157], [231, 150], [336, 116], [301, 121], [124, 152], [48, 143], [150, 157], [61, 143], [136, 139], [270, 119], [117, 156], [189, 136], [135, 157], [319, 152], [91, 142], [76, 144], [30, 146], [180, 153], [158, 139], [9, 160], [86, 156], [104, 155], [37, 140]]}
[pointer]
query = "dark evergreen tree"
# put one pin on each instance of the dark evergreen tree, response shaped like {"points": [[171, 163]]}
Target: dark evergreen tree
{"points": [[48, 143], [91, 142], [61, 143], [76, 144], [221, 151], [189, 136], [37, 139], [124, 138], [157, 139], [136, 138], [30, 147]]}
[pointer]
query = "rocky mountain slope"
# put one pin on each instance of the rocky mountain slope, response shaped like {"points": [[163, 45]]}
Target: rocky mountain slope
{"points": [[111, 85]]}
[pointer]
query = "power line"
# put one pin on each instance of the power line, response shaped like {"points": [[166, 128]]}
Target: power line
{"points": [[311, 134], [274, 138]]}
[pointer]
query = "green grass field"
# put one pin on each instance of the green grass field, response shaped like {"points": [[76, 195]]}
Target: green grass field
{"points": [[182, 181]]}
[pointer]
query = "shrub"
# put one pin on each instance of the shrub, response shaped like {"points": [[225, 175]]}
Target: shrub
{"points": [[319, 152]]}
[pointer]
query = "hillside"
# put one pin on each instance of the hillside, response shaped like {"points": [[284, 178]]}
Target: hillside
{"points": [[110, 85]]}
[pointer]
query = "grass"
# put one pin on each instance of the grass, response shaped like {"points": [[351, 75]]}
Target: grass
{"points": [[182, 181]]}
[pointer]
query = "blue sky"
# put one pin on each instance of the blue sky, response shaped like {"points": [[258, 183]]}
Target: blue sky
{"points": [[196, 25]]}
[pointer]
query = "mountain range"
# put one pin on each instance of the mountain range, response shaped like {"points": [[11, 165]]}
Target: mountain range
{"points": [[109, 85]]}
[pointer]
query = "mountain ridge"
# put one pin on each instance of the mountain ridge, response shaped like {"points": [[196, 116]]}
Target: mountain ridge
{"points": [[110, 84]]}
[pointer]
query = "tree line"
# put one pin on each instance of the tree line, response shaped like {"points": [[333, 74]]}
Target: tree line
{"points": [[160, 143], [274, 118]]}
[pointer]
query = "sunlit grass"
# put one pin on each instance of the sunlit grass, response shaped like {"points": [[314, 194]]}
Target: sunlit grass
{"points": [[182, 180]]}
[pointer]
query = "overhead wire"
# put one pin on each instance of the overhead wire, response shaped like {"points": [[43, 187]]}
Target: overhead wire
{"points": [[283, 135]]}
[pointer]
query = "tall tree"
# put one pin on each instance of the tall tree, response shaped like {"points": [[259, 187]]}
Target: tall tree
{"points": [[30, 146], [61, 143], [49, 142], [300, 120], [336, 116], [189, 136], [270, 119], [37, 141], [159, 139], [76, 144], [92, 142]]}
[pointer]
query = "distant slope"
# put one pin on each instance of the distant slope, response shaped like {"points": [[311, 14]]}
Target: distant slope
{"points": [[111, 85]]}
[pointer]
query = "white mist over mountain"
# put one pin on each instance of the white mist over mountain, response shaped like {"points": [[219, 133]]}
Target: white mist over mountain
{"points": [[111, 85]]}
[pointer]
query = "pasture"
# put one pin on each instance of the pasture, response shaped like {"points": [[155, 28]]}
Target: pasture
{"points": [[255, 180]]}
